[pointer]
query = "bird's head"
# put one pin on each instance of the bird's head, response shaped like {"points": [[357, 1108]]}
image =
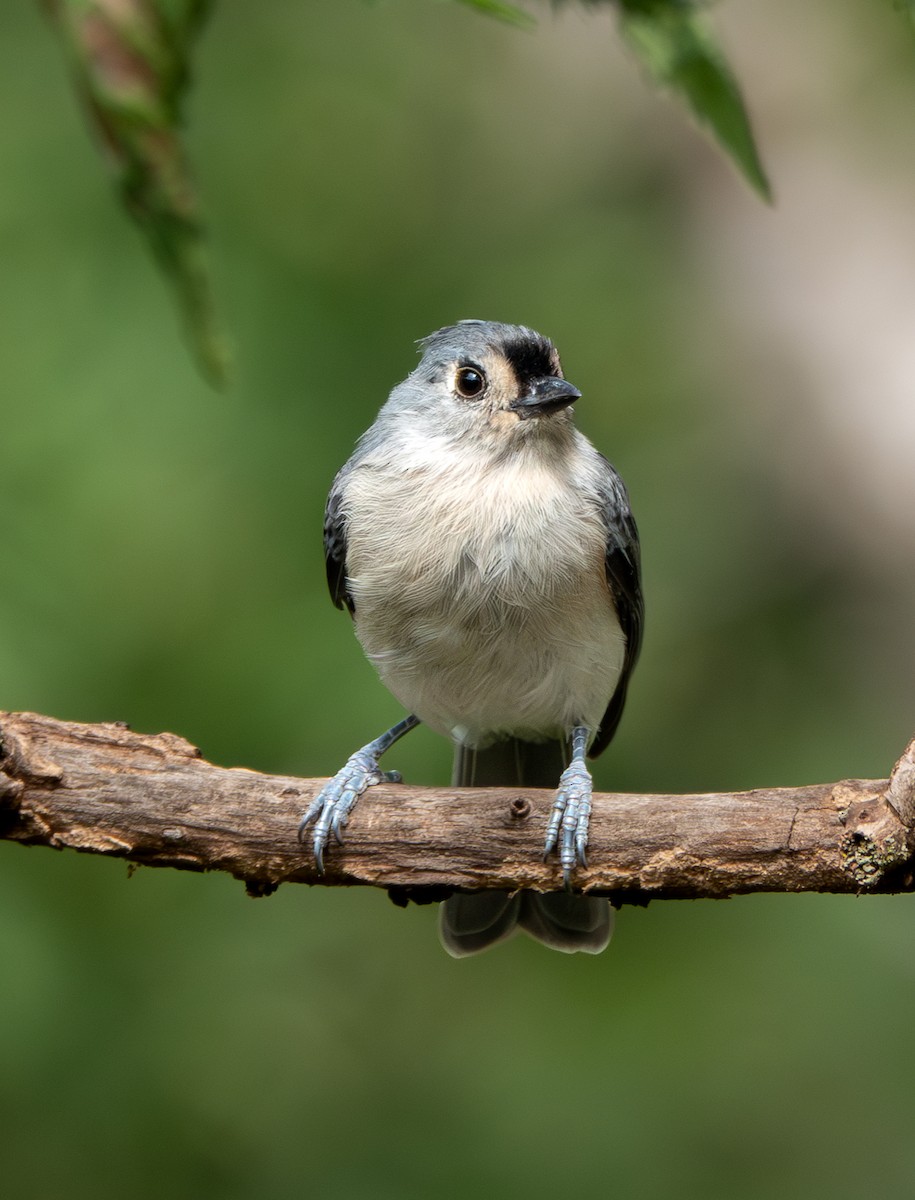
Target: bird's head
{"points": [[485, 379]]}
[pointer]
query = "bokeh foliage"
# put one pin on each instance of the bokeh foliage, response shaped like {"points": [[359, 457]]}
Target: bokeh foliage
{"points": [[372, 172], [131, 61]]}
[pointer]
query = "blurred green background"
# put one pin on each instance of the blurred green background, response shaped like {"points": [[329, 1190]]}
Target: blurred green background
{"points": [[372, 172]]}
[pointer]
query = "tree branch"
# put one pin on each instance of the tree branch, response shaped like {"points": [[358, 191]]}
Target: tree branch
{"points": [[152, 799]]}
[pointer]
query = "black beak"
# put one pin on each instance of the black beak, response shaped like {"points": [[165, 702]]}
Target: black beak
{"points": [[544, 396]]}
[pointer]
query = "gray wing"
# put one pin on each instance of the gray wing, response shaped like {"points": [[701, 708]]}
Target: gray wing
{"points": [[623, 566], [335, 544]]}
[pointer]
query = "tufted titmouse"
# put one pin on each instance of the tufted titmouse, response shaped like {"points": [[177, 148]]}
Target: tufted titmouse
{"points": [[490, 561]]}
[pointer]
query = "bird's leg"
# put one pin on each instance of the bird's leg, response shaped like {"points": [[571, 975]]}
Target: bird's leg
{"points": [[331, 807], [568, 826]]}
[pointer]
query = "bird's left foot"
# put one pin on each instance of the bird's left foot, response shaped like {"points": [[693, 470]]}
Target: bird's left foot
{"points": [[567, 831]]}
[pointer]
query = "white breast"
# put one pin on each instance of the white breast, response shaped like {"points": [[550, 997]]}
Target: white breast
{"points": [[481, 597]]}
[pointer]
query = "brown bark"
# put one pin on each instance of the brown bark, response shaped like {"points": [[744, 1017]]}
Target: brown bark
{"points": [[152, 799]]}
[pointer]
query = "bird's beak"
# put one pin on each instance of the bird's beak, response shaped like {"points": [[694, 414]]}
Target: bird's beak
{"points": [[544, 396]]}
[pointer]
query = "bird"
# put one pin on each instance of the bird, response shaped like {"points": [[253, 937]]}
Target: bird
{"points": [[488, 556]]}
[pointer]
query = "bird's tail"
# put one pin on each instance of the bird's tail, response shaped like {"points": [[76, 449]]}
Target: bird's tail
{"points": [[472, 921]]}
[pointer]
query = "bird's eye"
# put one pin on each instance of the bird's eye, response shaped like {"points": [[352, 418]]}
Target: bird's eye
{"points": [[469, 382]]}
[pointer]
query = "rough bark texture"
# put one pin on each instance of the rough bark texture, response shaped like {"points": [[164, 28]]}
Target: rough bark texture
{"points": [[152, 799]]}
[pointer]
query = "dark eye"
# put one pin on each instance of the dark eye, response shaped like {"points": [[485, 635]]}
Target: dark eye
{"points": [[469, 382]]}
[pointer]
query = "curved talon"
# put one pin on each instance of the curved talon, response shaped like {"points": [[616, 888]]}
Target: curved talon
{"points": [[339, 816], [304, 823], [319, 857]]}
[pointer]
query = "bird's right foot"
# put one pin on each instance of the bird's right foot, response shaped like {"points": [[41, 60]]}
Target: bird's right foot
{"points": [[330, 809]]}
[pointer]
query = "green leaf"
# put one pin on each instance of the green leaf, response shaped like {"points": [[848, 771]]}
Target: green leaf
{"points": [[674, 43], [502, 12], [130, 59]]}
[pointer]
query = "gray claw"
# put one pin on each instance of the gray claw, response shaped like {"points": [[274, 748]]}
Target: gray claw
{"points": [[330, 809], [568, 825]]}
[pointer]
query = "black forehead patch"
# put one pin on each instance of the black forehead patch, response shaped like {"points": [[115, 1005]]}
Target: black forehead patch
{"points": [[530, 354]]}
